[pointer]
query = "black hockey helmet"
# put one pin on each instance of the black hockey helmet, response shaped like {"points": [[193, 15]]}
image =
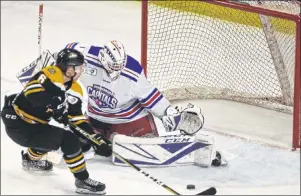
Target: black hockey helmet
{"points": [[69, 57]]}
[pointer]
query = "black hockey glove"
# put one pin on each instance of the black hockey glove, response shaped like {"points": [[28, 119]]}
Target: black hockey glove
{"points": [[57, 103], [105, 149], [61, 116], [59, 109]]}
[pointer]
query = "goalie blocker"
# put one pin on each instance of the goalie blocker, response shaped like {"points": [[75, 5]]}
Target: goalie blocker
{"points": [[165, 151]]}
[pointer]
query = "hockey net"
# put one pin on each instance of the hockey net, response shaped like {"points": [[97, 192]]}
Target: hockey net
{"points": [[246, 51]]}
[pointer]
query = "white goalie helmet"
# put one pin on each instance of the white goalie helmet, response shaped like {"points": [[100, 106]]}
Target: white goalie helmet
{"points": [[113, 57]]}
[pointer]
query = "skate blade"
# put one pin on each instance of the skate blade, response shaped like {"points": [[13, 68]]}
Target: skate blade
{"points": [[88, 192], [31, 170]]}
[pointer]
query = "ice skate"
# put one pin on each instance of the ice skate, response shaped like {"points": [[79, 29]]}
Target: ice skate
{"points": [[90, 186], [219, 160], [35, 165]]}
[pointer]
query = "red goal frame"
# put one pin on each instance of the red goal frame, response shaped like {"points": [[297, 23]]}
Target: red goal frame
{"points": [[248, 8]]}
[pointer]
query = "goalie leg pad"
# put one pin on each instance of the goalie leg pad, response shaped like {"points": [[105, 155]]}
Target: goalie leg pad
{"points": [[164, 151]]}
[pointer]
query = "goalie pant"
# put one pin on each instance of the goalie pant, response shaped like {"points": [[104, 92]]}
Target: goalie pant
{"points": [[143, 127]]}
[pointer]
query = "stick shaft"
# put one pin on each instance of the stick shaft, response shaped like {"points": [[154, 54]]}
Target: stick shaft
{"points": [[41, 12]]}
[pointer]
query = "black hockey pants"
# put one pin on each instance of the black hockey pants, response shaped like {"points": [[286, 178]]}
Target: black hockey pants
{"points": [[43, 138]]}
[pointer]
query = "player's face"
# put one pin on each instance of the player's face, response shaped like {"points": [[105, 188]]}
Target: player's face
{"points": [[74, 72], [78, 71]]}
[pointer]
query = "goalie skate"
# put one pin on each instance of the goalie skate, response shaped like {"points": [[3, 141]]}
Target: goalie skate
{"points": [[219, 160]]}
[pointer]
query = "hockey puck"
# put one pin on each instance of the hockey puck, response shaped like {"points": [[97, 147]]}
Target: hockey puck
{"points": [[190, 186]]}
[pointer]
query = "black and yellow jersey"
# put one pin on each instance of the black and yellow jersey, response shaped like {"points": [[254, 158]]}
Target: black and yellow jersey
{"points": [[32, 103], [74, 99]]}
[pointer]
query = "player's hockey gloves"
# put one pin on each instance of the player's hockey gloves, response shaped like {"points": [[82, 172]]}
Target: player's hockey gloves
{"points": [[105, 148], [61, 116], [59, 109]]}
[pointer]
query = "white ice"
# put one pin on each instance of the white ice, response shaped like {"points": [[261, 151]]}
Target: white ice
{"points": [[254, 167]]}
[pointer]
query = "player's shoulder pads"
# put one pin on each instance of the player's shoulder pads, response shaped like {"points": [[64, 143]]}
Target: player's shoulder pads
{"points": [[55, 75], [75, 93]]}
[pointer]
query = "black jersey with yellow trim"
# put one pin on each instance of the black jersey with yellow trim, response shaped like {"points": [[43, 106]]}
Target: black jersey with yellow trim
{"points": [[38, 93], [75, 115], [31, 104], [74, 98]]}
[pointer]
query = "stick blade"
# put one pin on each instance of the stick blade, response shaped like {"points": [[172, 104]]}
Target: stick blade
{"points": [[210, 191]]}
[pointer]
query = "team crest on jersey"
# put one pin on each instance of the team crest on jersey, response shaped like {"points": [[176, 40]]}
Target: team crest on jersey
{"points": [[102, 96], [90, 71], [51, 70]]}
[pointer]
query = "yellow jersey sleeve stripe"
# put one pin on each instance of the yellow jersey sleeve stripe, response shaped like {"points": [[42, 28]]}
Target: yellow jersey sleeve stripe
{"points": [[34, 91], [32, 82], [33, 86], [80, 121], [23, 114]]}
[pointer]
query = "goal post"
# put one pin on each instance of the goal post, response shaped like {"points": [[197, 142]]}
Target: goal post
{"points": [[225, 50]]}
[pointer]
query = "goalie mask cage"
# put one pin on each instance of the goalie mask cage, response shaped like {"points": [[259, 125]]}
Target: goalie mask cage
{"points": [[225, 50]]}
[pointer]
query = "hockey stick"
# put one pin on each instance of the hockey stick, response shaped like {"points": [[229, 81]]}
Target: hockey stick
{"points": [[209, 191], [27, 72], [41, 6]]}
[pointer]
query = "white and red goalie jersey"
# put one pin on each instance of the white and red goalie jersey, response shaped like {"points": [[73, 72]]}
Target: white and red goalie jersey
{"points": [[125, 99]]}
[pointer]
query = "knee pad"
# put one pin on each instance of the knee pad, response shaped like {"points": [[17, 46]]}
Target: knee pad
{"points": [[70, 143]]}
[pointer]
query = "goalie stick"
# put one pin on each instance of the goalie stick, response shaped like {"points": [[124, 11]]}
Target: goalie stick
{"points": [[209, 191], [41, 6], [43, 57]]}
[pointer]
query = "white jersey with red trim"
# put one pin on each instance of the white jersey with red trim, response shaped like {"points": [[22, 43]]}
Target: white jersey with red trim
{"points": [[125, 99]]}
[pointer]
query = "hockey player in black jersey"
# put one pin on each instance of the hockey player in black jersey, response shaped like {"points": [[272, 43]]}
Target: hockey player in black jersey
{"points": [[53, 93]]}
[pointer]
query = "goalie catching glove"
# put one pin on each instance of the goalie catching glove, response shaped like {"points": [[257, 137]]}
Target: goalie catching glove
{"points": [[188, 120]]}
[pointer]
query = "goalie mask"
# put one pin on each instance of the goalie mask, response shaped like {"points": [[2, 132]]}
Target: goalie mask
{"points": [[113, 58]]}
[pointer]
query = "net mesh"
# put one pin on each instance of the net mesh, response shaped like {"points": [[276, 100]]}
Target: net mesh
{"points": [[201, 50], [287, 6]]}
